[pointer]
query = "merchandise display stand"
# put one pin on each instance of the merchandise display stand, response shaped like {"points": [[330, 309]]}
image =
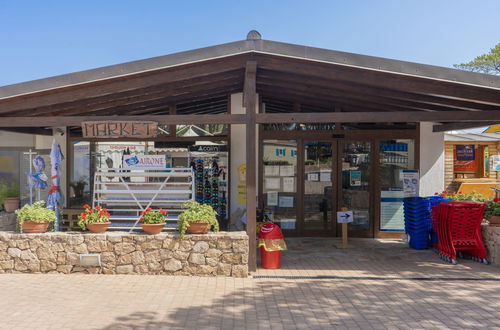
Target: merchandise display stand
{"points": [[126, 193], [211, 179]]}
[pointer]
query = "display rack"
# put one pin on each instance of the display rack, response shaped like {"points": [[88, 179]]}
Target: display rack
{"points": [[126, 193], [211, 177]]}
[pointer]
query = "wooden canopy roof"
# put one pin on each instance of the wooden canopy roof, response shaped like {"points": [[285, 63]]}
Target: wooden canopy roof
{"points": [[321, 85]]}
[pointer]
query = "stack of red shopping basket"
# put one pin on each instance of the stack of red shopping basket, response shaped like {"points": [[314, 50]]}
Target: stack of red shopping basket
{"points": [[458, 227]]}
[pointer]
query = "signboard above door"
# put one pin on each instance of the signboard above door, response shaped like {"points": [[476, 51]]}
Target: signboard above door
{"points": [[119, 129]]}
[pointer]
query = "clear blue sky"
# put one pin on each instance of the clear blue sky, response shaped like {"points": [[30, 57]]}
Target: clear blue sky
{"points": [[44, 38]]}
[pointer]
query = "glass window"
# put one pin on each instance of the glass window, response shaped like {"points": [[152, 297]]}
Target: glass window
{"points": [[201, 130], [280, 182], [356, 183], [395, 156]]}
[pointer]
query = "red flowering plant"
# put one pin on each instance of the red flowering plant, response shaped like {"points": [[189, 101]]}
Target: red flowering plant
{"points": [[92, 215], [149, 216], [460, 196]]}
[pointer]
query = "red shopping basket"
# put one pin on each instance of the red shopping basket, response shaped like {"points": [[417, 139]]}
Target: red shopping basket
{"points": [[459, 229]]}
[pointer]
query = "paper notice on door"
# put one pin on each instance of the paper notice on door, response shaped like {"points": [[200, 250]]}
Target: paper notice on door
{"points": [[325, 176], [272, 198], [271, 170], [289, 184], [286, 170], [286, 201], [272, 183], [312, 177]]}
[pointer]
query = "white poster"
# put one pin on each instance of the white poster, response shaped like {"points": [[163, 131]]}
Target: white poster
{"points": [[286, 201], [325, 176], [272, 183], [289, 184], [312, 177], [271, 170], [147, 162], [286, 170], [391, 209], [411, 183], [272, 198]]}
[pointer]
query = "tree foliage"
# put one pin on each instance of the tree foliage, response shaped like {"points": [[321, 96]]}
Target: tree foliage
{"points": [[486, 63]]}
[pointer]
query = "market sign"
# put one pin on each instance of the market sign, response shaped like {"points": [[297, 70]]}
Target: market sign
{"points": [[147, 162], [119, 129]]}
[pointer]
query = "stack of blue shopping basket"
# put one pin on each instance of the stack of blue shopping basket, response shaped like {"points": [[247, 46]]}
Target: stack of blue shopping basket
{"points": [[418, 222]]}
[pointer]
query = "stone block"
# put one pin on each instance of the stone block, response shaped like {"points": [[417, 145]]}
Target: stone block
{"points": [[214, 253], [46, 265], [80, 249], [65, 269], [200, 247], [28, 255], [125, 269], [20, 266], [141, 269], [124, 248], [197, 258], [240, 246], [153, 256], [137, 258], [7, 264], [113, 238], [239, 271], [46, 254], [224, 269], [124, 260], [224, 244], [231, 258], [165, 254], [185, 245], [212, 261], [172, 265], [14, 252], [61, 258], [151, 244], [179, 255]]}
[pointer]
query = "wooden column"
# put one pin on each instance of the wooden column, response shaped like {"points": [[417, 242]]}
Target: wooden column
{"points": [[249, 102]]}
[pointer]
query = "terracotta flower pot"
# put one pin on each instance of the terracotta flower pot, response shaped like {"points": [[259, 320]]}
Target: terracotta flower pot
{"points": [[35, 227], [11, 204], [495, 221], [153, 228], [199, 227], [98, 227]]}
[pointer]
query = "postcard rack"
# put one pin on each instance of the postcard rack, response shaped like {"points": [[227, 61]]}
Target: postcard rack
{"points": [[127, 193]]}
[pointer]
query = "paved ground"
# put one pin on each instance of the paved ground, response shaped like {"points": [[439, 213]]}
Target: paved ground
{"points": [[374, 284]]}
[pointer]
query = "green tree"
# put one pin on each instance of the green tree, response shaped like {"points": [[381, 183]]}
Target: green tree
{"points": [[486, 63]]}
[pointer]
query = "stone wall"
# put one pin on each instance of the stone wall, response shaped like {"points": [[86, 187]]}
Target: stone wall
{"points": [[224, 253], [7, 221], [491, 239]]}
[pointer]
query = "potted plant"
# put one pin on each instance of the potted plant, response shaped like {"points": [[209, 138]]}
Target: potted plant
{"points": [[35, 218], [197, 219], [95, 219], [492, 213], [152, 222], [9, 196]]}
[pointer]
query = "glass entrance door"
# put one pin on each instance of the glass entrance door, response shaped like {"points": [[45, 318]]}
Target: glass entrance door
{"points": [[318, 188], [355, 185]]}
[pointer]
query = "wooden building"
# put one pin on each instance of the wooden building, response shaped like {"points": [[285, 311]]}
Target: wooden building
{"points": [[317, 129]]}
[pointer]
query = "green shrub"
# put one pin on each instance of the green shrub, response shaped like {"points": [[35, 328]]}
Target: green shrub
{"points": [[196, 212]]}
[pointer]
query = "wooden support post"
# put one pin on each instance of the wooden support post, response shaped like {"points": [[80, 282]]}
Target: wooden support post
{"points": [[345, 240], [249, 102]]}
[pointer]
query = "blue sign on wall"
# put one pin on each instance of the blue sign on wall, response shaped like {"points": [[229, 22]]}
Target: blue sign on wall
{"points": [[466, 152]]}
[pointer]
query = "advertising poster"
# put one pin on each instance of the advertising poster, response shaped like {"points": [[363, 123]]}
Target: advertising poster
{"points": [[411, 182], [146, 162], [496, 162], [272, 198], [286, 201], [355, 178]]}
